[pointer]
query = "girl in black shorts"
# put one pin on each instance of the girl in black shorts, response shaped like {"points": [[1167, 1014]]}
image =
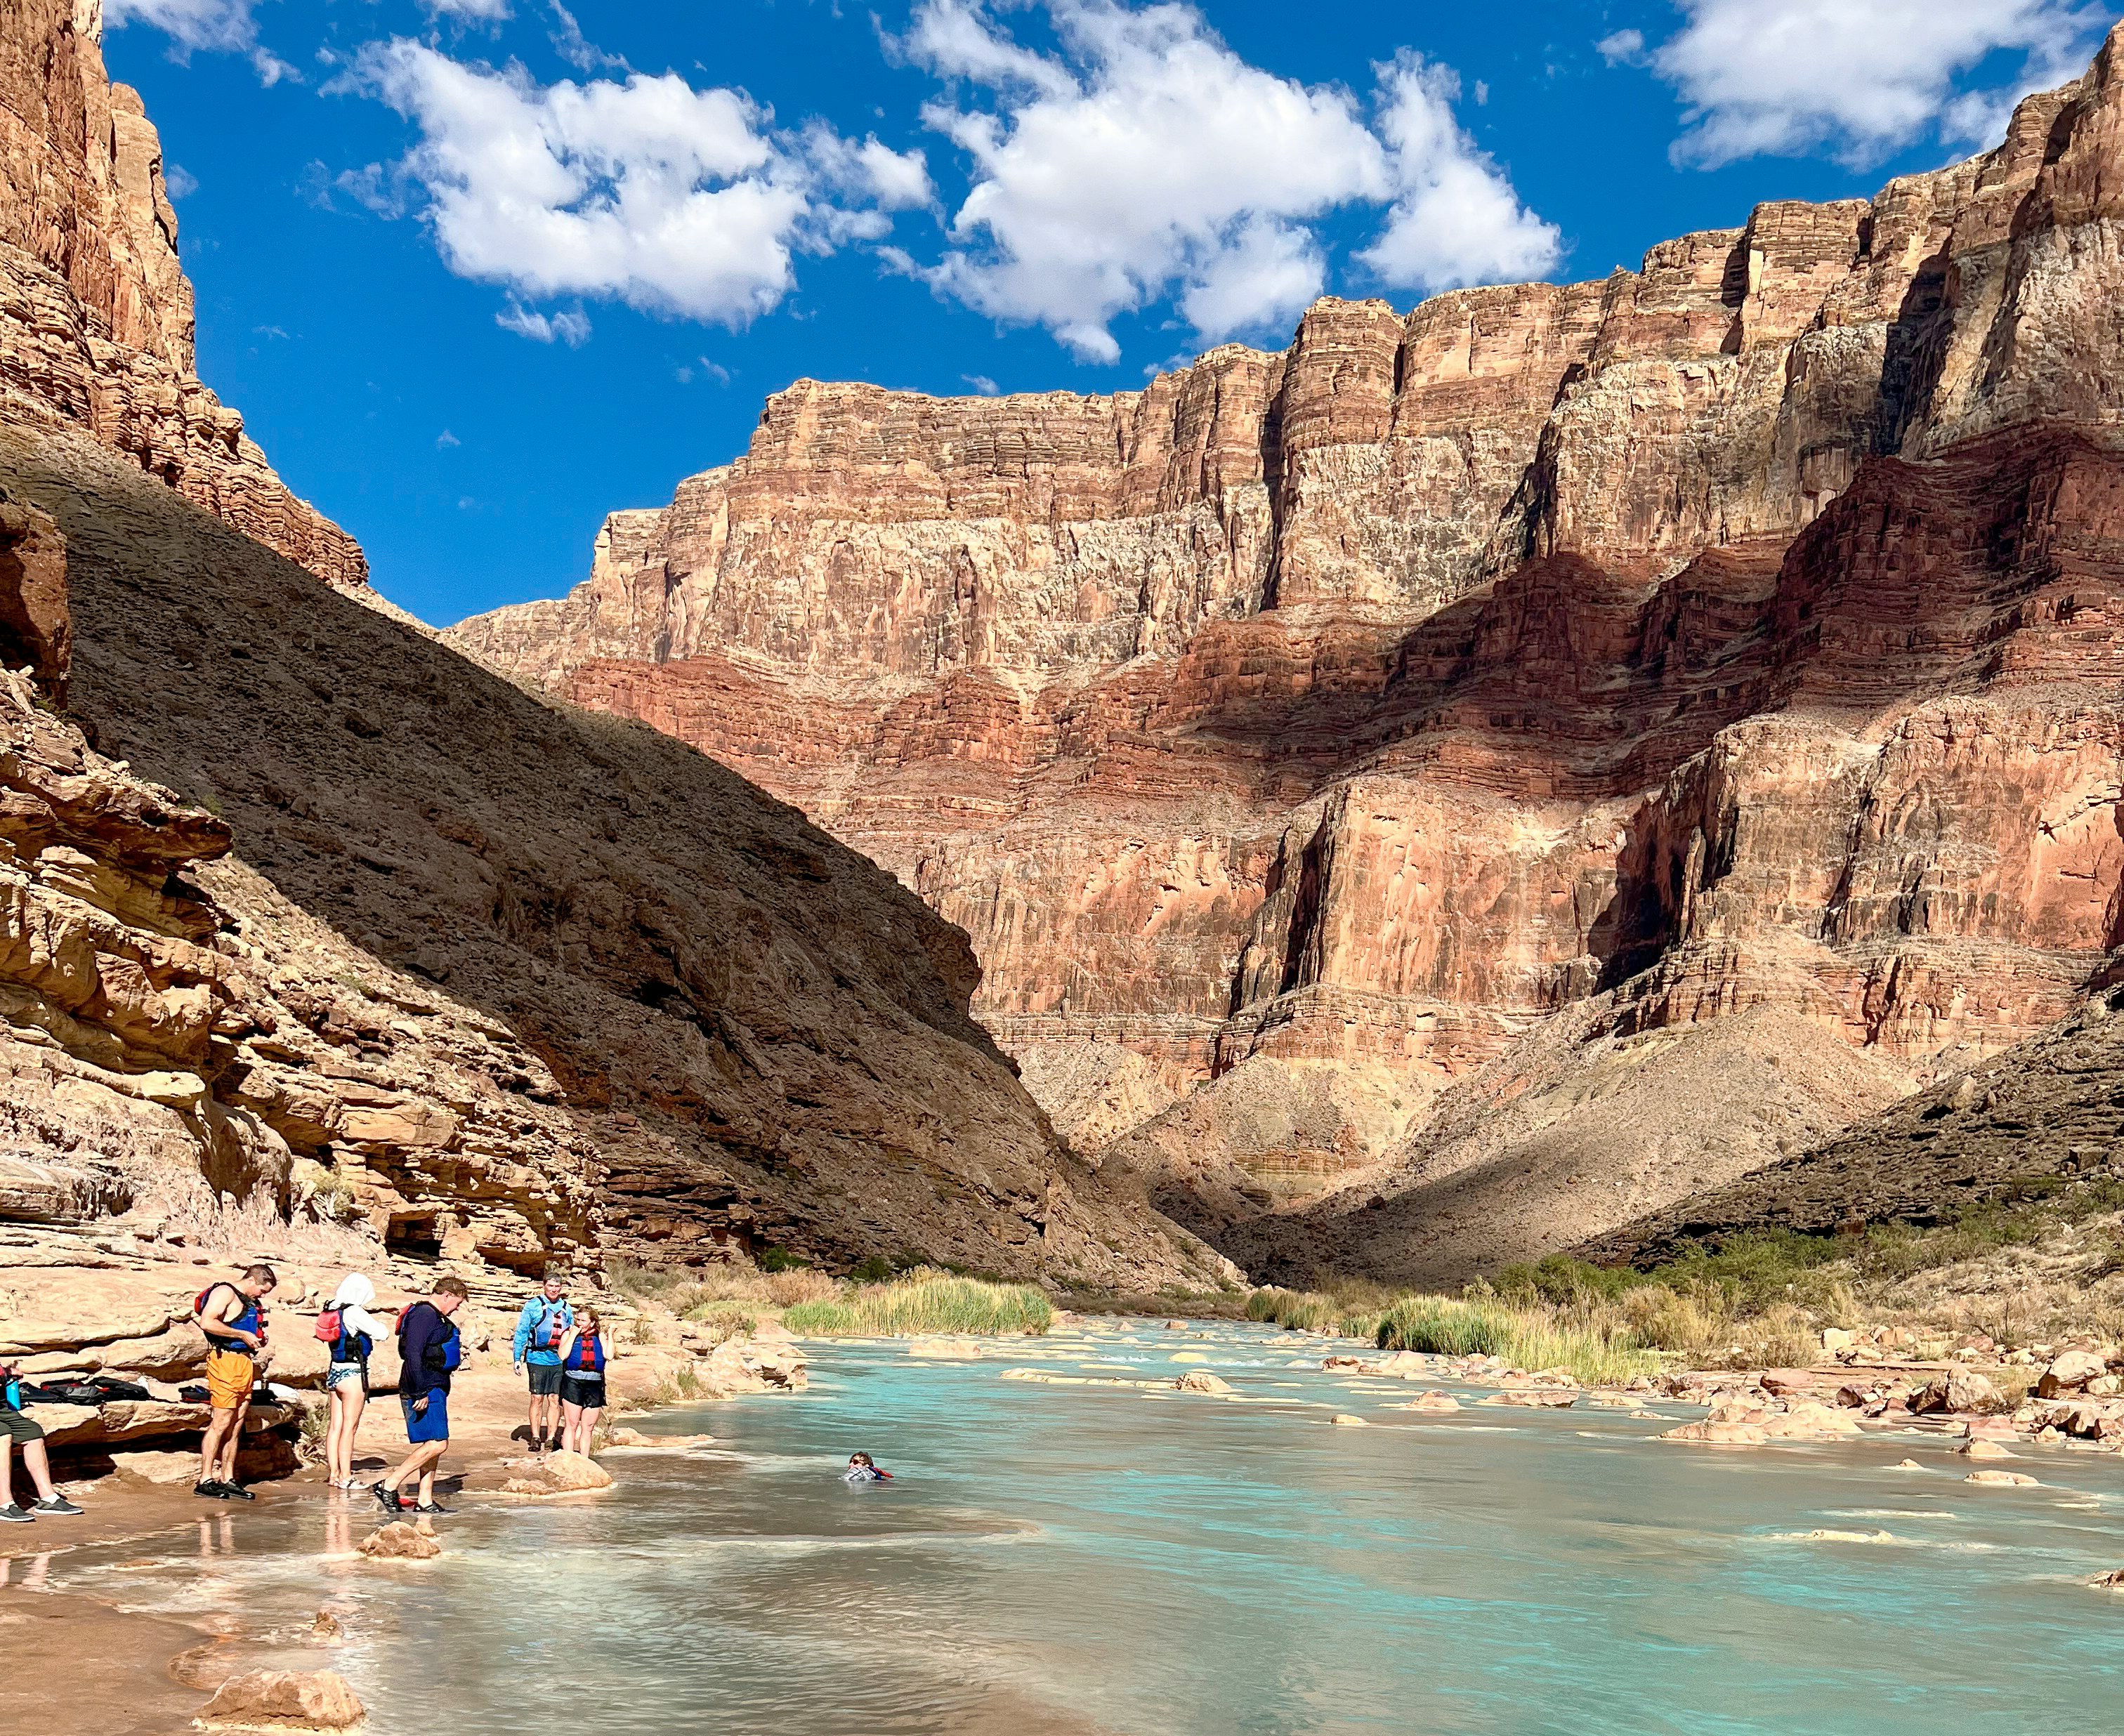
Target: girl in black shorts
{"points": [[583, 1355]]}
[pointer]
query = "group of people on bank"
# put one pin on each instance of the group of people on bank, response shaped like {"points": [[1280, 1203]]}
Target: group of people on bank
{"points": [[561, 1348]]}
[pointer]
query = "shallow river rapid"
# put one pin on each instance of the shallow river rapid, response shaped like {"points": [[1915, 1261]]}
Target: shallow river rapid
{"points": [[1086, 1558]]}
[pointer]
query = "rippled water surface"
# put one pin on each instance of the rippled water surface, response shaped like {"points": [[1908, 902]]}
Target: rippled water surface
{"points": [[1079, 1559]]}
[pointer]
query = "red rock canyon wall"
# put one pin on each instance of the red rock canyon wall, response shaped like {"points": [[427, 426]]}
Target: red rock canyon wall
{"points": [[1742, 631]]}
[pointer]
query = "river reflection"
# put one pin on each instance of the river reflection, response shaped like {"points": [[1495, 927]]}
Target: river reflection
{"points": [[1074, 1559]]}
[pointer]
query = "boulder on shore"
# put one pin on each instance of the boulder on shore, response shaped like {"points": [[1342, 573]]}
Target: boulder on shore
{"points": [[1962, 1390], [2069, 1372], [317, 1700]]}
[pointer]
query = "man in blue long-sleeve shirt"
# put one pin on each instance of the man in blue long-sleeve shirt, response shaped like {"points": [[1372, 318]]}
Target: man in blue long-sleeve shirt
{"points": [[536, 1348], [428, 1350]]}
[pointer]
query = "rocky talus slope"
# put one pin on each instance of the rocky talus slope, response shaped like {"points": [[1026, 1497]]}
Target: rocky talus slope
{"points": [[2047, 1111], [95, 314], [1299, 736]]}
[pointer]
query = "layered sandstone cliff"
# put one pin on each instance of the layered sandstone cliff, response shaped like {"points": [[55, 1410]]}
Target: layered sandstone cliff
{"points": [[1742, 631], [95, 313]]}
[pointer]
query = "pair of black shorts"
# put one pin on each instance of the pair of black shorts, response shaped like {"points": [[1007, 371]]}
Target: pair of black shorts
{"points": [[545, 1378], [21, 1431], [585, 1389]]}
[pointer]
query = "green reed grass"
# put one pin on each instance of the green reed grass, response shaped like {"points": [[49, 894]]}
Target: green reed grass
{"points": [[921, 1303]]}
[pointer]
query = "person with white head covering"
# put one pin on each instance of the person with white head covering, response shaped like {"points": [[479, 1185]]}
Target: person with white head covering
{"points": [[351, 1332]]}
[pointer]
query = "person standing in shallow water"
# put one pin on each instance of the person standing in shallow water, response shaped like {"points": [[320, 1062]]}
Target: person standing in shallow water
{"points": [[584, 1354], [233, 1316], [346, 1375], [546, 1321], [429, 1349]]}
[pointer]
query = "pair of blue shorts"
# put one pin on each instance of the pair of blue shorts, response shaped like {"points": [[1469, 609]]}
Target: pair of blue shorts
{"points": [[432, 1424]]}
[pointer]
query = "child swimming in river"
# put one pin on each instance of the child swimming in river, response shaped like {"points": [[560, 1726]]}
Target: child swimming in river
{"points": [[863, 1468]]}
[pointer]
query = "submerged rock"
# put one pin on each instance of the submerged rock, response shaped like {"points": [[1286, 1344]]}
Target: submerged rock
{"points": [[2003, 1478], [1343, 1420], [945, 1349], [1429, 1401]]}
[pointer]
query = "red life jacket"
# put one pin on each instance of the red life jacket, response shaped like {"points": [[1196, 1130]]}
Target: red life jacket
{"points": [[587, 1355]]}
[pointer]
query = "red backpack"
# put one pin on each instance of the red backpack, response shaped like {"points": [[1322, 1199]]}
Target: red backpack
{"points": [[330, 1328]]}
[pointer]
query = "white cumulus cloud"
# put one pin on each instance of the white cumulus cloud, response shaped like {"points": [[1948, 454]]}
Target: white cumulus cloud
{"points": [[676, 200], [1456, 220], [468, 12], [1861, 78], [203, 26], [1143, 159]]}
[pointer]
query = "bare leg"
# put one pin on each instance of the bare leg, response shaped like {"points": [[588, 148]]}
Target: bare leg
{"points": [[335, 1436], [39, 1465], [231, 1440], [6, 1473], [420, 1463], [219, 1424], [586, 1422], [570, 1416], [357, 1401]]}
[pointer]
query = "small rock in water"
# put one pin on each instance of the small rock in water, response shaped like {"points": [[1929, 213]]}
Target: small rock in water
{"points": [[2110, 1582], [1428, 1401], [1200, 1380], [560, 1473], [1176, 1326], [945, 1349], [2006, 1479], [1907, 1464], [312, 1700], [1190, 1356], [1980, 1448], [328, 1628], [398, 1542], [1343, 1420]]}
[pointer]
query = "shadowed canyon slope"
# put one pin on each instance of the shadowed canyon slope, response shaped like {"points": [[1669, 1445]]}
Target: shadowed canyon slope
{"points": [[304, 912], [1298, 736]]}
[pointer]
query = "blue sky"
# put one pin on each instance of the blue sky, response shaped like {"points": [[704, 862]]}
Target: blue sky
{"points": [[478, 271]]}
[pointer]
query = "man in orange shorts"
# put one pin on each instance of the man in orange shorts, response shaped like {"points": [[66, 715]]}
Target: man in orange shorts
{"points": [[234, 1322]]}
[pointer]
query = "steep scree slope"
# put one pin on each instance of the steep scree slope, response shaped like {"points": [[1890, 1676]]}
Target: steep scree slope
{"points": [[517, 979]]}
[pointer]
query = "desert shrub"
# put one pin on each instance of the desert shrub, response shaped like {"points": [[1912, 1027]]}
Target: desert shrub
{"points": [[786, 1289]]}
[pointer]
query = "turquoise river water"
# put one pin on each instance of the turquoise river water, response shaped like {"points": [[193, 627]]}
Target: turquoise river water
{"points": [[1082, 1558]]}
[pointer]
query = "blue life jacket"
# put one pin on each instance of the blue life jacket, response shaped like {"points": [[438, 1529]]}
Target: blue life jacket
{"points": [[251, 1318], [586, 1356]]}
